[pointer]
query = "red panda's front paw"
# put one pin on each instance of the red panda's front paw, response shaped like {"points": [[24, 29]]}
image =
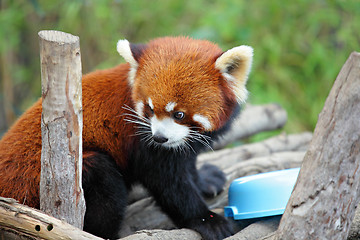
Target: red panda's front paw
{"points": [[211, 180], [211, 227]]}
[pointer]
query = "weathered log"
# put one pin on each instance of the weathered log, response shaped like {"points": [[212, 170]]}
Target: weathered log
{"points": [[21, 222], [261, 228], [145, 214], [282, 143], [61, 193], [327, 191], [354, 233], [252, 120], [177, 234]]}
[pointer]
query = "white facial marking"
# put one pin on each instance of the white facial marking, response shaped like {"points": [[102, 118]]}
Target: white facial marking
{"points": [[151, 103], [170, 106], [123, 48], [139, 108], [167, 127], [204, 121]]}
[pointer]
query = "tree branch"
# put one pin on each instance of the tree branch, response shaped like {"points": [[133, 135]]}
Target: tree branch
{"points": [[263, 118], [17, 220]]}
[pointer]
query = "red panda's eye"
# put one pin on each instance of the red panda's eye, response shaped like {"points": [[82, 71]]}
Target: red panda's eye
{"points": [[149, 112], [179, 115]]}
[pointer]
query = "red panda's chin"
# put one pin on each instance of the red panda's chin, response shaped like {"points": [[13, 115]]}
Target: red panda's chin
{"points": [[173, 145]]}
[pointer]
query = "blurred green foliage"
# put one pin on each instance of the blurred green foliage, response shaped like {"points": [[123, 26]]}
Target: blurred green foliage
{"points": [[300, 46]]}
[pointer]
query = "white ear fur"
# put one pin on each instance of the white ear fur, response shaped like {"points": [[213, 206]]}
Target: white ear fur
{"points": [[123, 48], [235, 65]]}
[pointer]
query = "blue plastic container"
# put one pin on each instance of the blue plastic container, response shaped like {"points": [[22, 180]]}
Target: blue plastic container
{"points": [[261, 195]]}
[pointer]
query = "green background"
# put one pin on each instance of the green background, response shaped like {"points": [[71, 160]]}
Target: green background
{"points": [[300, 46]]}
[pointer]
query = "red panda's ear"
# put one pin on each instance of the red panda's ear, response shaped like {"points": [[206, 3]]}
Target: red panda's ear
{"points": [[131, 53], [235, 65], [137, 50]]}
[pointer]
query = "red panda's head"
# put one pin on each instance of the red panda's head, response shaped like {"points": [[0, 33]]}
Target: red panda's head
{"points": [[183, 87]]}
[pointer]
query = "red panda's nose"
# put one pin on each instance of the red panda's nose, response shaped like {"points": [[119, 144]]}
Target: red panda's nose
{"points": [[159, 138]]}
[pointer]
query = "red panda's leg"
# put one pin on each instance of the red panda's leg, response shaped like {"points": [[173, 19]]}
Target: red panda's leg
{"points": [[105, 195], [175, 190]]}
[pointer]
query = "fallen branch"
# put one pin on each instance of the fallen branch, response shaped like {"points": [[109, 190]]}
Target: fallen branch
{"points": [[261, 228], [18, 220], [177, 234], [282, 143], [252, 120]]}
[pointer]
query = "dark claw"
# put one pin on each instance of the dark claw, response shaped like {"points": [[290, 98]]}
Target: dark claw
{"points": [[211, 180]]}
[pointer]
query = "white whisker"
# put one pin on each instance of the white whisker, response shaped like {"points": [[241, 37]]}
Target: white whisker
{"points": [[137, 117], [137, 122], [201, 138], [188, 145], [142, 124]]}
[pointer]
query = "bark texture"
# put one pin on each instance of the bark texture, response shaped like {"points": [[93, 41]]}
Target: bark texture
{"points": [[21, 222], [61, 192], [326, 194]]}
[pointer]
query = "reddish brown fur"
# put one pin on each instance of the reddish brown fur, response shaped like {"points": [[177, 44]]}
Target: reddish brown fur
{"points": [[188, 79]]}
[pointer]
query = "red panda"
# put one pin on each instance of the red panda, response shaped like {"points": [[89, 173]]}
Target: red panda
{"points": [[145, 121]]}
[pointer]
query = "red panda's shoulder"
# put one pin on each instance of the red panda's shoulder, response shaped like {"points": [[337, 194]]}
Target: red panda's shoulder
{"points": [[106, 93], [104, 86], [117, 74]]}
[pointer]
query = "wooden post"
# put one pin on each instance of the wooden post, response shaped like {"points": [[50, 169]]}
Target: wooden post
{"points": [[327, 191], [61, 193]]}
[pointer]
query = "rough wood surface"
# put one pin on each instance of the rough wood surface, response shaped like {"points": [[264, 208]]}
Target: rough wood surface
{"points": [[177, 234], [281, 143], [21, 222], [354, 233], [257, 230], [61, 192], [263, 118], [323, 202]]}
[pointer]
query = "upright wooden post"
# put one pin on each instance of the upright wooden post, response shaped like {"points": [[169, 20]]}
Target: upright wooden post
{"points": [[61, 193]]}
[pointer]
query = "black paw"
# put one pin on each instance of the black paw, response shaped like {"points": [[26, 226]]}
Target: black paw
{"points": [[211, 180], [211, 227]]}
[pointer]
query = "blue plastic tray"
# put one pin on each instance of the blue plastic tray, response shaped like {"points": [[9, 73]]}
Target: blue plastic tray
{"points": [[261, 195]]}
